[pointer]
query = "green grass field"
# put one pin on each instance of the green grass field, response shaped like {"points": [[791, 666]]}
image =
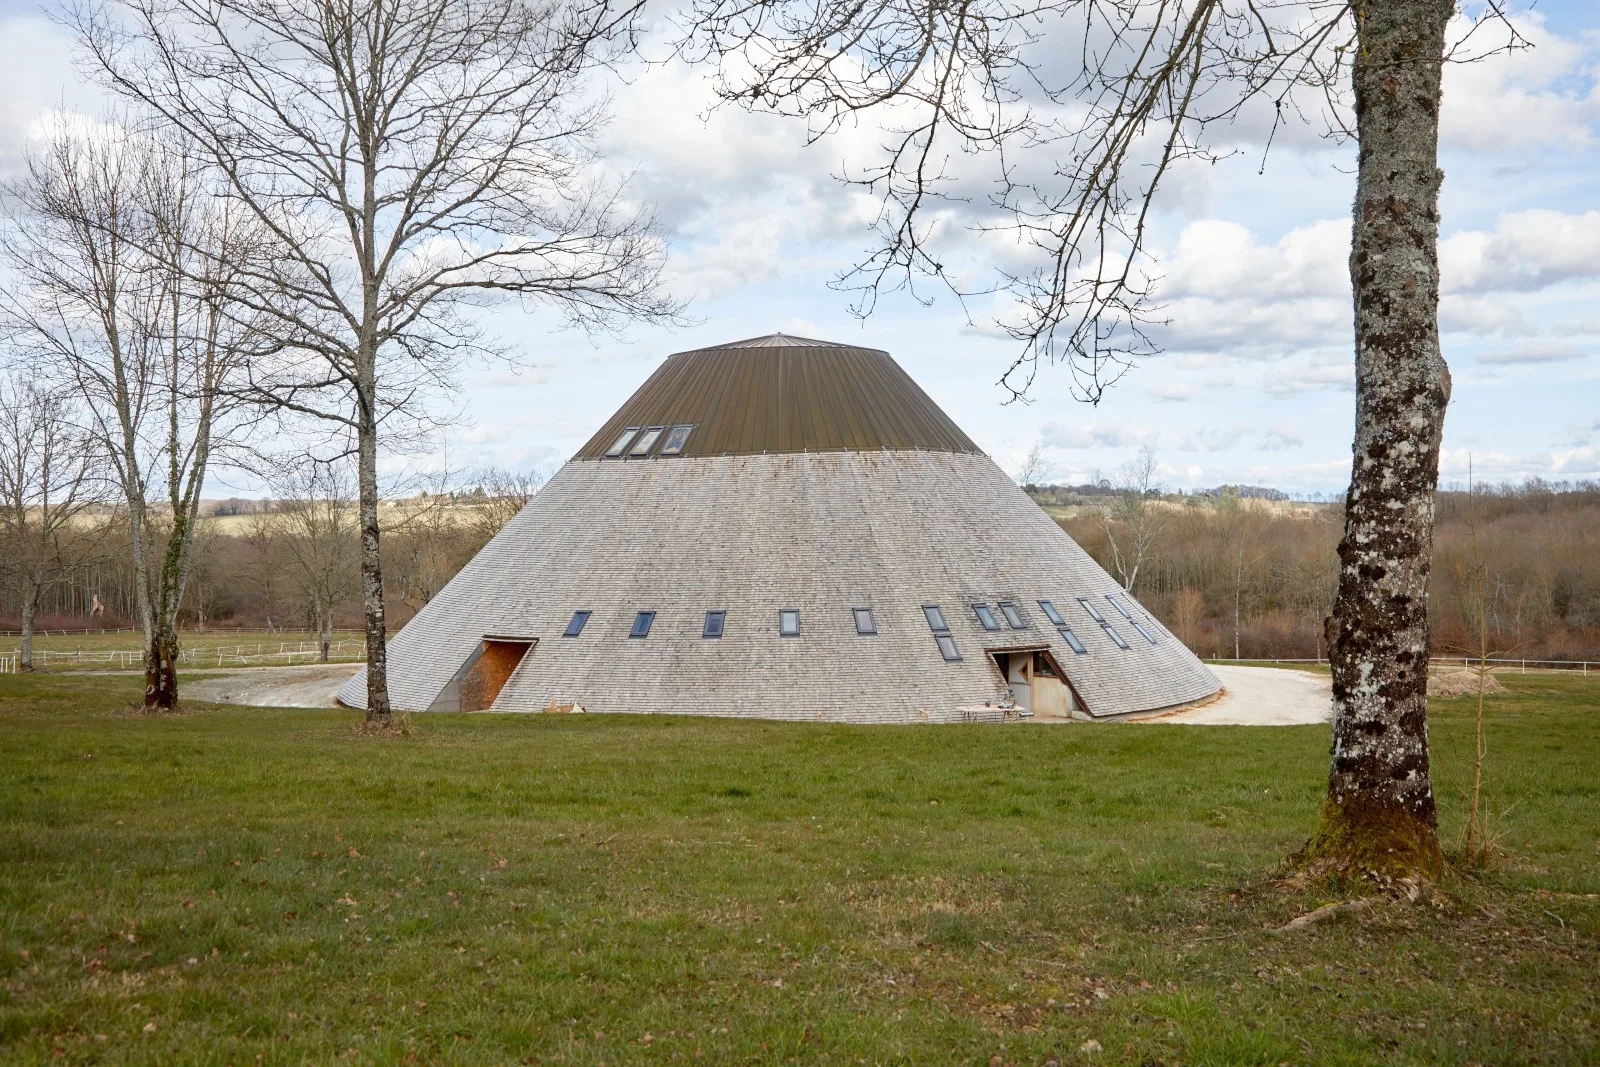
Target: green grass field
{"points": [[236, 885]]}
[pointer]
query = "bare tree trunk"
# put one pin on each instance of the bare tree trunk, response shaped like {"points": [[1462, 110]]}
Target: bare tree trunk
{"points": [[325, 631], [1379, 814], [30, 605], [371, 565]]}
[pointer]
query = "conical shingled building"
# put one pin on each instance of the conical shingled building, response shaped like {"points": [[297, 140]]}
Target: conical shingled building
{"points": [[789, 529]]}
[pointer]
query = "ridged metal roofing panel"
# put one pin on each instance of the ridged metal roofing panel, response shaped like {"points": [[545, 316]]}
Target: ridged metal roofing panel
{"points": [[780, 394]]}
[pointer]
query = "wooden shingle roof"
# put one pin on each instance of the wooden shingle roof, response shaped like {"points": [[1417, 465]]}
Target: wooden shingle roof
{"points": [[778, 394]]}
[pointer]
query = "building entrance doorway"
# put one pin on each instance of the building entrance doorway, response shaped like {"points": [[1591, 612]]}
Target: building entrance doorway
{"points": [[1036, 681]]}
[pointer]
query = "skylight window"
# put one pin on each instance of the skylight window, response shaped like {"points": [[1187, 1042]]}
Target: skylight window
{"points": [[621, 444], [1072, 640], [865, 623], [677, 437], [715, 621], [941, 633], [1138, 621], [575, 627], [1013, 616], [1094, 612], [986, 617], [646, 441], [1051, 613], [789, 623], [641, 624], [1116, 638]]}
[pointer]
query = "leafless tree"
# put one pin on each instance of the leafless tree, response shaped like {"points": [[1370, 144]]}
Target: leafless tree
{"points": [[1188, 608], [124, 258], [1035, 468], [1087, 106], [316, 523], [505, 493], [1135, 516], [46, 484], [411, 158]]}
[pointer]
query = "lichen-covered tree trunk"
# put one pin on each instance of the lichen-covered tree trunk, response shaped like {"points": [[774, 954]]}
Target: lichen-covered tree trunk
{"points": [[1379, 814], [378, 711]]}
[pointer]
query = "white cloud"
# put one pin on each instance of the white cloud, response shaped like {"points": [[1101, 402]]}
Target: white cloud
{"points": [[1092, 435], [1282, 435], [1539, 96], [1212, 439], [1171, 392], [1528, 250], [1305, 375], [1532, 353]]}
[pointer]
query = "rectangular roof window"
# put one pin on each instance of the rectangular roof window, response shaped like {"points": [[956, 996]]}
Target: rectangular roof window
{"points": [[1013, 616], [677, 437], [1094, 612], [865, 623], [714, 623], [621, 444], [575, 627], [1072, 640], [1051, 613], [1146, 634], [641, 624], [935, 618], [646, 441], [1118, 605], [789, 622], [986, 617], [1116, 638], [948, 649]]}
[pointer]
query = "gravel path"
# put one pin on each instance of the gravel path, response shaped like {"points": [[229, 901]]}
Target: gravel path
{"points": [[312, 686], [1254, 696], [1261, 696]]}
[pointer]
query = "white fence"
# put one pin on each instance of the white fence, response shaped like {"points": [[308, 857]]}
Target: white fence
{"points": [[1499, 663], [286, 652]]}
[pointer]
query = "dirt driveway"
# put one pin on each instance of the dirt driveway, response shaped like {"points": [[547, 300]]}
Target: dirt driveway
{"points": [[312, 686], [1261, 696]]}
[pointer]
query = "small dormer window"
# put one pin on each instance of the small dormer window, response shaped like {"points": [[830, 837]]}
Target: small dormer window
{"points": [[621, 444], [647, 441], [677, 438]]}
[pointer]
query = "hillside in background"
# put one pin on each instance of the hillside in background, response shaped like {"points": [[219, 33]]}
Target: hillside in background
{"points": [[1272, 565], [1237, 567]]}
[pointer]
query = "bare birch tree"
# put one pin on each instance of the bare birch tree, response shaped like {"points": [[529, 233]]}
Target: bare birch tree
{"points": [[1131, 524], [317, 530], [123, 257], [46, 483], [411, 158], [1087, 106]]}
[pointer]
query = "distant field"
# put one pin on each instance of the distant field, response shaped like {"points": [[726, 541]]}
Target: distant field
{"points": [[238, 885], [237, 648]]}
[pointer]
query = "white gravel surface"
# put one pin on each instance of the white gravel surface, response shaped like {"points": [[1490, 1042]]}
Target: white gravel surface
{"points": [[1253, 696], [1261, 696], [310, 686]]}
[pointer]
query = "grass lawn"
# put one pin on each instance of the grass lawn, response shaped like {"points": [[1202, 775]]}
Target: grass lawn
{"points": [[236, 885]]}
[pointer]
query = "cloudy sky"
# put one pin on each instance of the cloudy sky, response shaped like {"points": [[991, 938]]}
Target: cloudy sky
{"points": [[1254, 384]]}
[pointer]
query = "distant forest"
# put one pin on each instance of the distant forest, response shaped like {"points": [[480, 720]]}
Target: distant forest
{"points": [[1210, 559], [1538, 544]]}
